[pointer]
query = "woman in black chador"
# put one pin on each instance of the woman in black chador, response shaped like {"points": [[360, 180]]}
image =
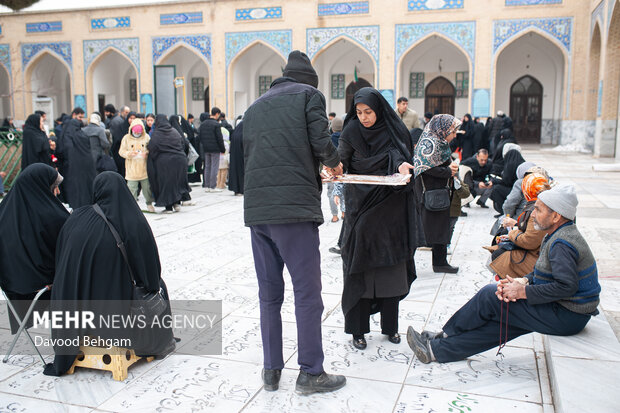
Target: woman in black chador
{"points": [[80, 170], [91, 268], [378, 238], [35, 146]]}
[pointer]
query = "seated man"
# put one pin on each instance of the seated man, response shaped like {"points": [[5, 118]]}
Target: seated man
{"points": [[558, 298], [479, 181]]}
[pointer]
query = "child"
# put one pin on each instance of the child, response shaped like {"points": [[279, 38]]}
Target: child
{"points": [[133, 149]]}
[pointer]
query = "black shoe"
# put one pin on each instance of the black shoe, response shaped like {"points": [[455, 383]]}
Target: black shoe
{"points": [[335, 250], [497, 215], [431, 335], [467, 205], [394, 338], [419, 346], [322, 383], [359, 342], [445, 268], [463, 213], [271, 379], [481, 204]]}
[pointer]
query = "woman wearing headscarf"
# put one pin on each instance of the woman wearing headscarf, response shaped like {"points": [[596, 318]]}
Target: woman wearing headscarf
{"points": [[189, 131], [467, 143], [35, 145], [515, 201], [433, 169], [505, 137], [30, 217], [377, 240], [167, 165], [502, 186], [80, 170], [133, 149], [90, 267], [8, 125], [237, 170], [518, 251]]}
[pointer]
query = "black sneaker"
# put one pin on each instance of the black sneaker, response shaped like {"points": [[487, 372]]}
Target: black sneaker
{"points": [[321, 383], [419, 346], [335, 250], [445, 268], [271, 379]]}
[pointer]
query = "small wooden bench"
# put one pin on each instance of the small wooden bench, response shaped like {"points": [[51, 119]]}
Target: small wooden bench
{"points": [[115, 359]]}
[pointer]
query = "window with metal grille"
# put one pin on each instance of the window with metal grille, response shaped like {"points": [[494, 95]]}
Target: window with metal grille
{"points": [[416, 85], [338, 86], [198, 87], [263, 84], [462, 84]]}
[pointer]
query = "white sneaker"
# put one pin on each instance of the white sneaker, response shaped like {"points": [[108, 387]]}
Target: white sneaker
{"points": [[150, 208], [216, 190], [176, 207], [168, 212], [188, 203], [207, 189]]}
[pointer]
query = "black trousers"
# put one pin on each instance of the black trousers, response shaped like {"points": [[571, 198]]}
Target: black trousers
{"points": [[357, 320], [440, 254]]}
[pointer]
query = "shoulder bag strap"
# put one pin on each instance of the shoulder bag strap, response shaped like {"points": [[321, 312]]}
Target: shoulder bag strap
{"points": [[117, 237]]}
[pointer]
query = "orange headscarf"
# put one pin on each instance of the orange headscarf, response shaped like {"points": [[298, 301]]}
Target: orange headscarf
{"points": [[533, 184]]}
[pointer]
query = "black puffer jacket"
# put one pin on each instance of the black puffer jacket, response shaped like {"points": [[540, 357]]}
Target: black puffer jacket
{"points": [[285, 138], [210, 136]]}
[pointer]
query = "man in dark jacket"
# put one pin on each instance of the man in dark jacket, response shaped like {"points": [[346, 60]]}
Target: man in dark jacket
{"points": [[497, 124], [285, 138], [479, 181], [212, 144], [119, 127]]}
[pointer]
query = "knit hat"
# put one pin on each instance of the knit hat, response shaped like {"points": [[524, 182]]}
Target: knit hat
{"points": [[299, 68], [523, 168], [337, 124], [561, 199], [533, 185]]}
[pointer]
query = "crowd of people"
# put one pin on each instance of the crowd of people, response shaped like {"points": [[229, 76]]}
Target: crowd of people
{"points": [[286, 145]]}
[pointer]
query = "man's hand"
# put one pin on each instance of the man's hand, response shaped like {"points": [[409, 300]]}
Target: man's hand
{"points": [[2, 174], [454, 167], [512, 290], [336, 200], [509, 222], [482, 185], [337, 170]]}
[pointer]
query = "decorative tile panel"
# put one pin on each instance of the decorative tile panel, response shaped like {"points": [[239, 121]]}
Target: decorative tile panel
{"points": [[43, 27], [388, 94], [79, 101], [262, 13], [366, 36], [146, 103], [559, 28], [200, 43], [281, 40], [481, 105], [0, 30], [130, 47], [463, 33], [180, 18], [610, 9], [417, 5], [5, 56], [599, 100], [531, 2], [110, 23], [61, 49], [339, 9], [597, 14]]}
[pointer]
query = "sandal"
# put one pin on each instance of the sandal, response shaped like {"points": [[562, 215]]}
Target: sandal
{"points": [[335, 218]]}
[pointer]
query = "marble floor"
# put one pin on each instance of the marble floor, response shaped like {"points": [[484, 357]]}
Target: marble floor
{"points": [[205, 254]]}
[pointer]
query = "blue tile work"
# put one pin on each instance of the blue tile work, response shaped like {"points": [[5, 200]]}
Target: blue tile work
{"points": [[388, 94], [5, 56], [0, 30], [463, 33], [110, 23], [482, 103], [559, 28], [610, 9], [281, 40], [597, 14], [417, 5], [531, 2], [44, 27], [338, 9], [79, 101], [180, 18], [201, 43], [365, 36], [599, 102], [130, 47], [146, 103], [61, 49], [262, 13]]}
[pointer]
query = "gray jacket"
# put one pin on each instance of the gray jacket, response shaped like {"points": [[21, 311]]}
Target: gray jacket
{"points": [[515, 201], [99, 143]]}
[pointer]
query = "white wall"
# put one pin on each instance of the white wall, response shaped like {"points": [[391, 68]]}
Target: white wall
{"points": [[111, 68], [536, 56], [258, 60], [50, 78], [425, 58], [188, 65], [5, 90], [342, 57]]}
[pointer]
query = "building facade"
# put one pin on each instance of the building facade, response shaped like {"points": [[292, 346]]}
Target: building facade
{"points": [[552, 65]]}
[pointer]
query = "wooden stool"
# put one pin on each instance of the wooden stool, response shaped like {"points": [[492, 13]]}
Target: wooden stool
{"points": [[115, 359]]}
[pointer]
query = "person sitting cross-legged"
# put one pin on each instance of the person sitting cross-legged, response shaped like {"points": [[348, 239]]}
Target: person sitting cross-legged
{"points": [[557, 298]]}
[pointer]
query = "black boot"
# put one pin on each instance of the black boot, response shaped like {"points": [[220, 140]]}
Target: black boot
{"points": [[359, 342], [321, 383], [271, 379]]}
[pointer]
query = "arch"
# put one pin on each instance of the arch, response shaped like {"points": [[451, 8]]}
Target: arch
{"points": [[356, 42], [402, 80], [92, 67], [62, 101], [610, 132], [232, 103], [439, 96], [526, 100], [593, 73], [187, 46]]}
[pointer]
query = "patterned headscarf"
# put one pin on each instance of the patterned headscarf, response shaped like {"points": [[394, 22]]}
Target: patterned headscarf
{"points": [[433, 149], [532, 185]]}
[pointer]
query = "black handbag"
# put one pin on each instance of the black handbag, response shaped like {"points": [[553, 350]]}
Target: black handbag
{"points": [[436, 199]]}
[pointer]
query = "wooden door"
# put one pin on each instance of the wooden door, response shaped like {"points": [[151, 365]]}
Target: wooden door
{"points": [[352, 88], [526, 109], [439, 96]]}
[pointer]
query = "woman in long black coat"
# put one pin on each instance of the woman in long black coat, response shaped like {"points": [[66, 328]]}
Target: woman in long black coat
{"points": [[167, 165], [378, 238], [433, 169], [237, 171], [467, 139], [35, 145], [502, 186], [80, 169]]}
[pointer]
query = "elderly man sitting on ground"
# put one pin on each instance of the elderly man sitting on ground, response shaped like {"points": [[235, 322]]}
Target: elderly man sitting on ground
{"points": [[558, 298]]}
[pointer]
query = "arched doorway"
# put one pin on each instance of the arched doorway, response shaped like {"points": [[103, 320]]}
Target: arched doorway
{"points": [[252, 73], [49, 86], [533, 55], [431, 59], [350, 92], [610, 137], [593, 74], [525, 108], [194, 69], [5, 94], [440, 96], [113, 79], [338, 65]]}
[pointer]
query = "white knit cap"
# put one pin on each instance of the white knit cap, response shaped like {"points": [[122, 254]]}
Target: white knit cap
{"points": [[561, 199], [94, 118]]}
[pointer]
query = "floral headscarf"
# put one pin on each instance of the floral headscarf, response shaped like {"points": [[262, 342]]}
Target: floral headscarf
{"points": [[532, 185], [433, 149]]}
